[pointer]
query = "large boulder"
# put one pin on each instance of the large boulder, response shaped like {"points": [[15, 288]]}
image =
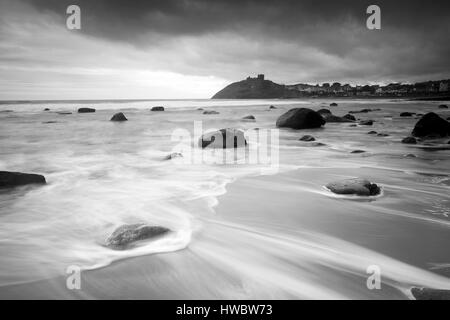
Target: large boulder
{"points": [[431, 124], [14, 179], [300, 118], [430, 294], [358, 187], [157, 109], [223, 139], [119, 117], [86, 110], [127, 235]]}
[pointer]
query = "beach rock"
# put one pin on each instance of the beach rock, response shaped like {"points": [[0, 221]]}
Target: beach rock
{"points": [[200, 109], [13, 179], [410, 155], [86, 110], [382, 135], [443, 106], [353, 126], [46, 109], [223, 139], [366, 123], [300, 118], [409, 140], [210, 112], [406, 114], [64, 112], [324, 111], [307, 138], [349, 117], [359, 187], [430, 294], [173, 156], [330, 118], [361, 111], [119, 117], [317, 144], [358, 151], [372, 132], [49, 122], [333, 104], [431, 124], [126, 235], [157, 109], [249, 118], [272, 108]]}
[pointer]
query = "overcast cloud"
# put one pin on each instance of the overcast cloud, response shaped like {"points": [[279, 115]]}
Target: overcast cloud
{"points": [[192, 48]]}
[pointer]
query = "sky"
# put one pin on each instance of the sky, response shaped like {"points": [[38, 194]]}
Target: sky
{"points": [[175, 49]]}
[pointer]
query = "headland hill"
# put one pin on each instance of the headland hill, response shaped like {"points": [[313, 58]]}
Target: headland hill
{"points": [[261, 88]]}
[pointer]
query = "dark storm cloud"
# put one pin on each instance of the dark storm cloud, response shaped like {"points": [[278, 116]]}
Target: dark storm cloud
{"points": [[289, 40]]}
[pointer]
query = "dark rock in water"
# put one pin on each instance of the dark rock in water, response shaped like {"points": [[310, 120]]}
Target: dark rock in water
{"points": [[330, 118], [249, 118], [272, 108], [49, 122], [358, 151], [324, 111], [307, 138], [119, 117], [13, 179], [372, 132], [223, 139], [300, 118], [410, 155], [430, 294], [173, 156], [361, 111], [317, 144], [443, 106], [409, 140], [333, 104], [353, 125], [210, 112], [46, 109], [366, 123], [349, 117], [157, 109], [6, 111], [64, 112], [86, 110], [200, 109], [359, 187], [431, 124], [406, 114], [126, 235], [382, 135]]}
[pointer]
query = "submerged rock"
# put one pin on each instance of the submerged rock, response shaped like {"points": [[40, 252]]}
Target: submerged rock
{"points": [[431, 124], [366, 123], [443, 106], [331, 118], [382, 135], [300, 118], [333, 104], [249, 118], [119, 117], [86, 110], [126, 235], [358, 151], [64, 112], [349, 117], [361, 111], [13, 179], [223, 139], [324, 111], [430, 294], [173, 156], [46, 109], [372, 132], [317, 144], [307, 138], [409, 140], [157, 109], [210, 112], [406, 114], [359, 187]]}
